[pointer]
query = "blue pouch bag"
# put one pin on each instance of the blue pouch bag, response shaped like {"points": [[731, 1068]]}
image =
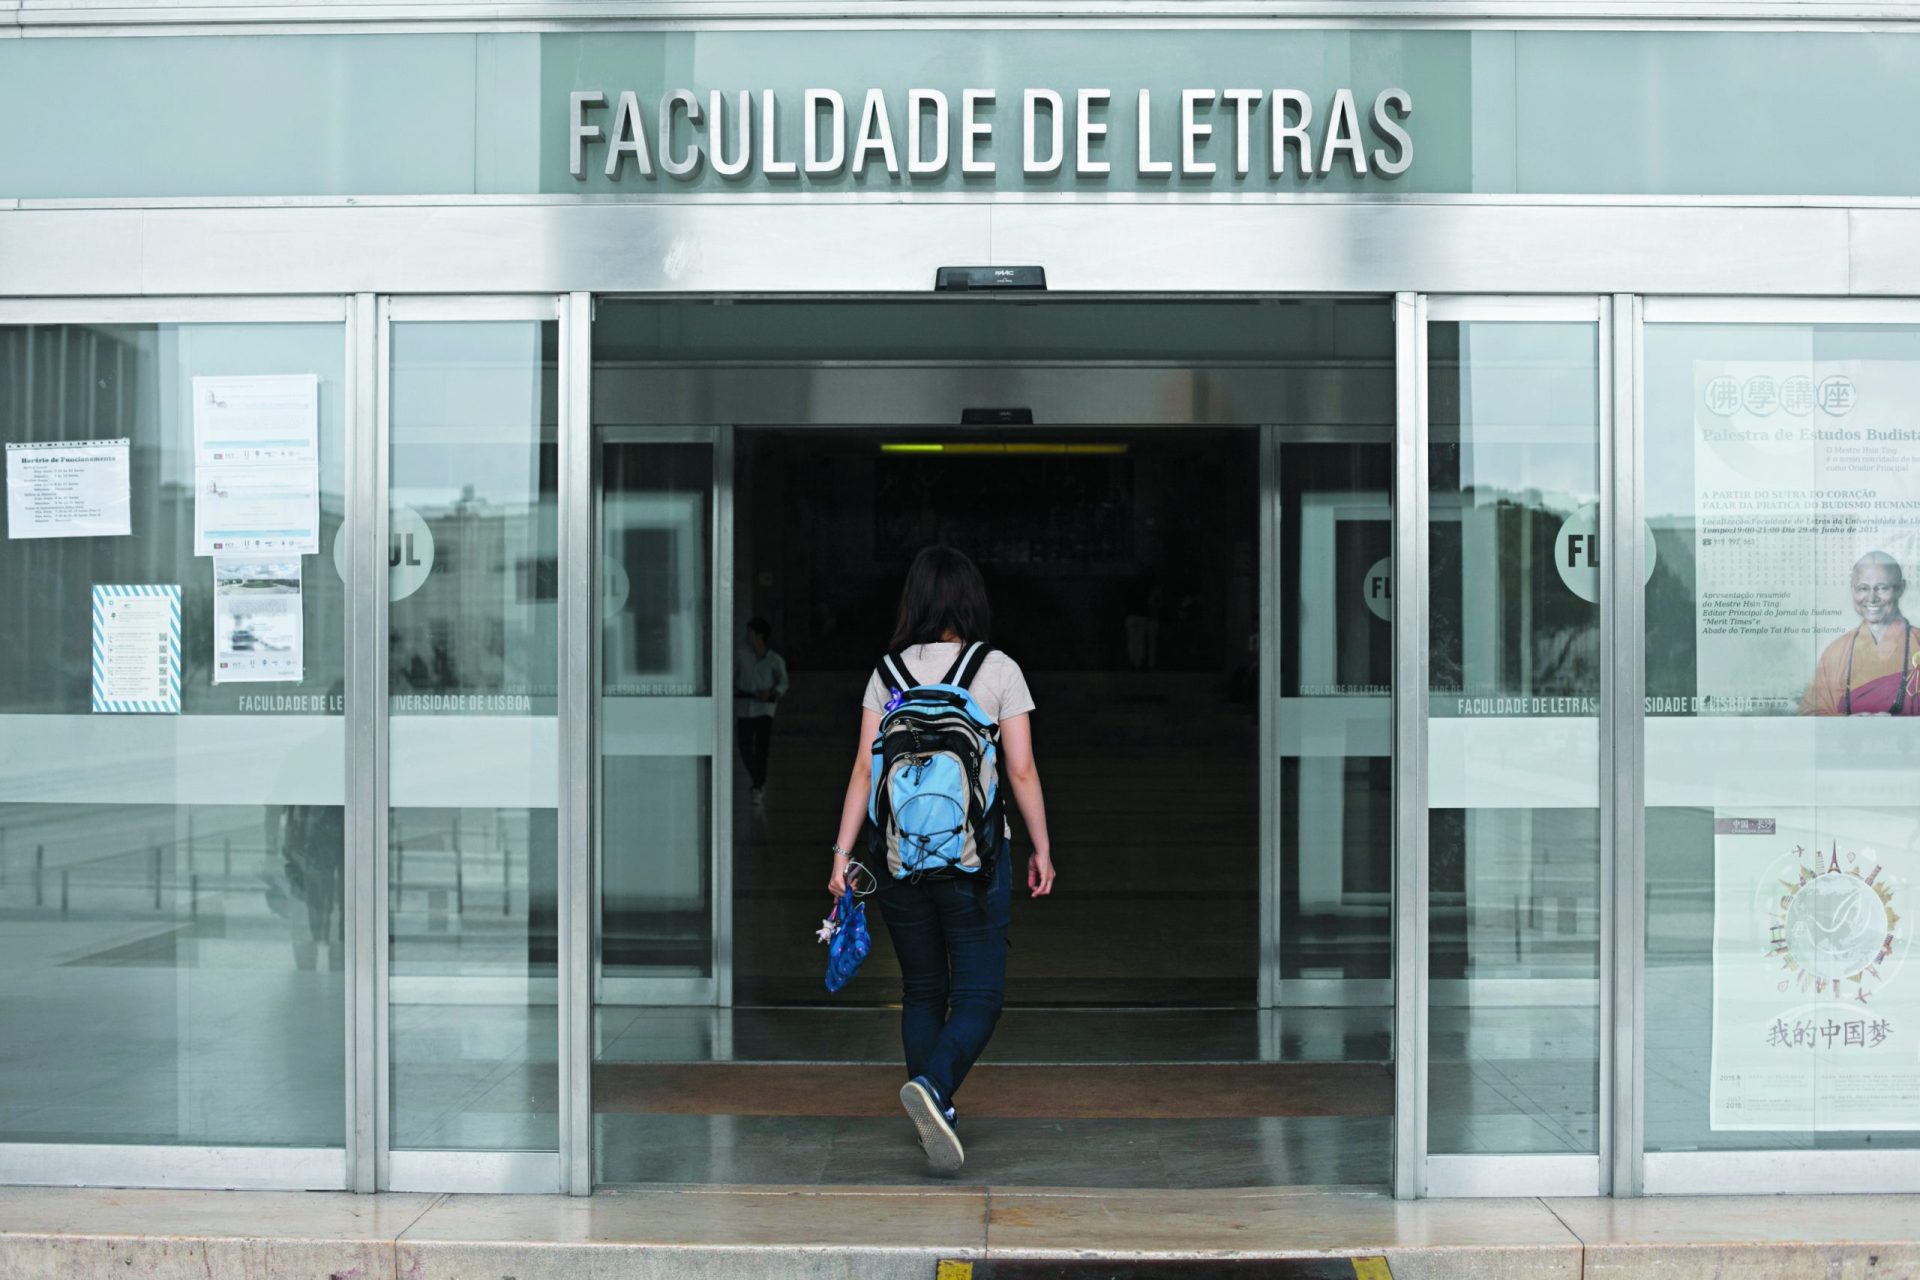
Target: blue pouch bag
{"points": [[850, 944]]}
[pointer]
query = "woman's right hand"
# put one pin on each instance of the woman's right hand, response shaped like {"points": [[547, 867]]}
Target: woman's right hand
{"points": [[837, 881]]}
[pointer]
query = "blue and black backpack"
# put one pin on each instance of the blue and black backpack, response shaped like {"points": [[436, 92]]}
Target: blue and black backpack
{"points": [[934, 806]]}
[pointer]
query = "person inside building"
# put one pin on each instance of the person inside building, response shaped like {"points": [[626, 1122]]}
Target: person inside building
{"points": [[1874, 669], [759, 682], [949, 929], [1144, 599]]}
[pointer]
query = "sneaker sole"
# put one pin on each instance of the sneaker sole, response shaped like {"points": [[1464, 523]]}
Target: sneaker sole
{"points": [[941, 1144]]}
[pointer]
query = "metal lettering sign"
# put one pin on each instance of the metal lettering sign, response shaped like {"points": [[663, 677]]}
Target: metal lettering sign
{"points": [[1271, 133]]}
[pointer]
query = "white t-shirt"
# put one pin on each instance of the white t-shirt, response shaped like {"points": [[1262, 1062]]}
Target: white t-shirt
{"points": [[1000, 687], [766, 674]]}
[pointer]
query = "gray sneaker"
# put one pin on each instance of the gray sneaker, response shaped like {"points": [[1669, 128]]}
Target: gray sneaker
{"points": [[937, 1137]]}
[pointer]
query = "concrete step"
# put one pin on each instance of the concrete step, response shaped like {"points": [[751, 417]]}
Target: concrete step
{"points": [[906, 1234]]}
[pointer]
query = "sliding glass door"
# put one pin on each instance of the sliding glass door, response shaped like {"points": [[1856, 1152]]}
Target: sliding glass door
{"points": [[1511, 848], [470, 441], [664, 722]]}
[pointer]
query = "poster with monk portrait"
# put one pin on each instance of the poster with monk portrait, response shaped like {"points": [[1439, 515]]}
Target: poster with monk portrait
{"points": [[1807, 489]]}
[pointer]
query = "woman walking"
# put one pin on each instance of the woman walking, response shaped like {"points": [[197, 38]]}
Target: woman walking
{"points": [[949, 931]]}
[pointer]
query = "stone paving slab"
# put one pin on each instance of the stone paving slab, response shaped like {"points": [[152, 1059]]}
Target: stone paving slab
{"points": [[1422, 1240], [1751, 1237], [641, 1235], [902, 1234], [75, 1233]]}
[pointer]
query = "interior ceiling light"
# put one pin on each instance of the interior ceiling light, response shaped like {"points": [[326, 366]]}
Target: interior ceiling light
{"points": [[1019, 448]]}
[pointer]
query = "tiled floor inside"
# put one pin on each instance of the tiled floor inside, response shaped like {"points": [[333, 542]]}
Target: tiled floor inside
{"points": [[631, 1033], [812, 1151], [1116, 1151]]}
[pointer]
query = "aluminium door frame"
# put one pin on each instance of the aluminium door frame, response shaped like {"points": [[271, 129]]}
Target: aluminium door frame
{"points": [[1410, 748], [1267, 610]]}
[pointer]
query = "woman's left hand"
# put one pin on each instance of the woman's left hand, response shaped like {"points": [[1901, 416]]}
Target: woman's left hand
{"points": [[1040, 873]]}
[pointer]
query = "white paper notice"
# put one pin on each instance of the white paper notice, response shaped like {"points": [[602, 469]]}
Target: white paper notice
{"points": [[1816, 1024], [1800, 470], [75, 489], [256, 464], [259, 626], [136, 649]]}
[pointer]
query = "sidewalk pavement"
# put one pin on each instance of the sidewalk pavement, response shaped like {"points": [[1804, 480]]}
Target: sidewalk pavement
{"points": [[816, 1234]]}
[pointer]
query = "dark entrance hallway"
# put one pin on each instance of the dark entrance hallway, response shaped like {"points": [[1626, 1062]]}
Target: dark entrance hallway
{"points": [[1121, 568]]}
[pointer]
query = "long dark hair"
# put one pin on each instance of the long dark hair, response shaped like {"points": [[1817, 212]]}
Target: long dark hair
{"points": [[943, 593]]}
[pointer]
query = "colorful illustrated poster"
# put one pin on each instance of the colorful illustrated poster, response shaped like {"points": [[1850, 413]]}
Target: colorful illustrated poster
{"points": [[1806, 475], [136, 649], [73, 489], [259, 625], [256, 465], [1816, 1019]]}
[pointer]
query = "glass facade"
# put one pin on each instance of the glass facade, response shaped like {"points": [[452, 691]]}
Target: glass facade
{"points": [[205, 875], [1782, 486], [171, 873]]}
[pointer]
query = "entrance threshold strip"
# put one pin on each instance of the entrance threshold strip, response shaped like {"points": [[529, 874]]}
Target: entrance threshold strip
{"points": [[1016, 1091], [1364, 1268]]}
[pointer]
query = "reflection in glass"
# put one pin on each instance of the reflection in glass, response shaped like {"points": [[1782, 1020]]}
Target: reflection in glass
{"points": [[170, 973], [1336, 754], [1783, 845], [472, 832], [1514, 827], [656, 903]]}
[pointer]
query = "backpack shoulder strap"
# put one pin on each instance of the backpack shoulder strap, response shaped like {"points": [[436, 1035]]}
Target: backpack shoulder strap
{"points": [[969, 665], [953, 672], [893, 672]]}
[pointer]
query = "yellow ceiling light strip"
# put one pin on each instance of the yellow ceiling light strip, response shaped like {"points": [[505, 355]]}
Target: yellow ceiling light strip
{"points": [[1021, 448]]}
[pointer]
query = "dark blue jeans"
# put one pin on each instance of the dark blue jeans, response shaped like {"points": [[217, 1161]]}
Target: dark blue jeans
{"points": [[951, 940]]}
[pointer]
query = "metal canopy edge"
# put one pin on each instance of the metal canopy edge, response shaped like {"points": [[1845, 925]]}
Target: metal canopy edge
{"points": [[56, 16], [893, 248]]}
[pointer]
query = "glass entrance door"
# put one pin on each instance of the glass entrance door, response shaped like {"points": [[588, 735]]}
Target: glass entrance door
{"points": [[470, 430], [1329, 598], [1511, 842], [664, 724]]}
